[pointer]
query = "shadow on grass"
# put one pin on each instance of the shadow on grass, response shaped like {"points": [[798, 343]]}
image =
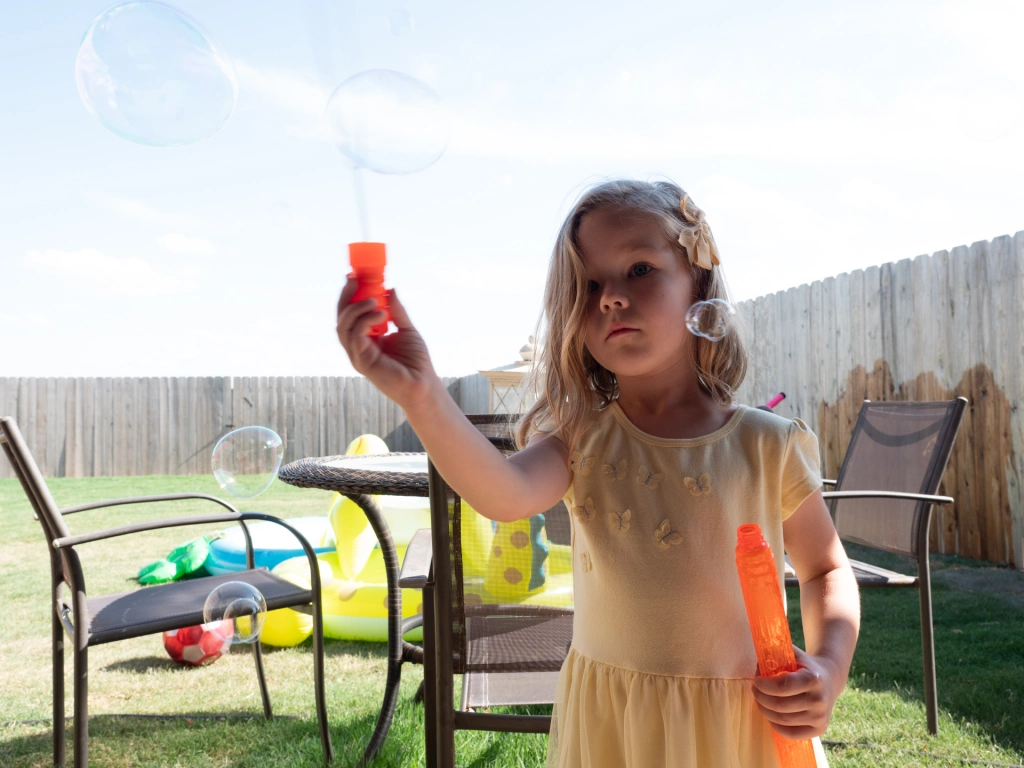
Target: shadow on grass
{"points": [[145, 664], [332, 648], [241, 741], [979, 670]]}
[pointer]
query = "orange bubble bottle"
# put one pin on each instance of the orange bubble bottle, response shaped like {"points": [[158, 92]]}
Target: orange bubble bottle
{"points": [[368, 260], [769, 627]]}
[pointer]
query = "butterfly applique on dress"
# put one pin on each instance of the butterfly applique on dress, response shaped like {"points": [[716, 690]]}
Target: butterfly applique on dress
{"points": [[647, 478], [620, 520], [581, 463], [587, 512], [699, 487], [616, 470], [666, 537]]}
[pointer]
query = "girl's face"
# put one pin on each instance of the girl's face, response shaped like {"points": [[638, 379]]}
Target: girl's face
{"points": [[640, 291]]}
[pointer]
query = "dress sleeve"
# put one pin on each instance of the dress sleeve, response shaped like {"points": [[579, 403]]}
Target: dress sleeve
{"points": [[801, 468]]}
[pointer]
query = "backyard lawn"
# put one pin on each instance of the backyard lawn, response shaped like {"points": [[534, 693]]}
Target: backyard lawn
{"points": [[879, 720]]}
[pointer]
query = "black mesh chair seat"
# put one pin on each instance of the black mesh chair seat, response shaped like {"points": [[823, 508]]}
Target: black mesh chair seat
{"points": [[514, 638], [179, 604]]}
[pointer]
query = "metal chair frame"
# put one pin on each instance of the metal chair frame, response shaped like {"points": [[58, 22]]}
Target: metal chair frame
{"points": [[433, 575], [72, 617], [926, 496]]}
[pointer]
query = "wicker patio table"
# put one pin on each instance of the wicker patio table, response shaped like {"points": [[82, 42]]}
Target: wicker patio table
{"points": [[360, 478]]}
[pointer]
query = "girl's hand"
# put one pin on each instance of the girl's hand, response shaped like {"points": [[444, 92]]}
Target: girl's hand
{"points": [[798, 705], [398, 364]]}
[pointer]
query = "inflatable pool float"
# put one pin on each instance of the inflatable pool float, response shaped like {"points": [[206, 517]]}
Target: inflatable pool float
{"points": [[271, 544], [502, 563]]}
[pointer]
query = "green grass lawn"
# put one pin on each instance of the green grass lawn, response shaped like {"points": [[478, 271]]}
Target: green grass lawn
{"points": [[879, 720]]}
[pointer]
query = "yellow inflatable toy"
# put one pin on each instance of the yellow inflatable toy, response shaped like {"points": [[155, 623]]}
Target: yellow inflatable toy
{"points": [[352, 532], [502, 563]]}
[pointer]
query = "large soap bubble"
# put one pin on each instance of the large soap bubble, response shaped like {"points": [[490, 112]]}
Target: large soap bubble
{"points": [[245, 462], [388, 122], [241, 604], [148, 73], [712, 319]]}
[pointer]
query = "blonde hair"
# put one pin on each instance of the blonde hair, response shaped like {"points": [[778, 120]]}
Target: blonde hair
{"points": [[568, 383]]}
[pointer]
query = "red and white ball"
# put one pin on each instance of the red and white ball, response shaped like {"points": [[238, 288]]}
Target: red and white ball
{"points": [[199, 645]]}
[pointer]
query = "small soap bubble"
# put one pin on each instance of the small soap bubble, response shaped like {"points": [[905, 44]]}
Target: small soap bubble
{"points": [[240, 604], [245, 461], [150, 74], [388, 122], [712, 319], [400, 21]]}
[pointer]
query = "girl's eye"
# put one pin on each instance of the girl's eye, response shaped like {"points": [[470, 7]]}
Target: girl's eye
{"points": [[591, 286], [639, 270]]}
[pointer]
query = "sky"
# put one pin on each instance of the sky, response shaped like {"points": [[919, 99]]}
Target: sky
{"points": [[819, 138]]}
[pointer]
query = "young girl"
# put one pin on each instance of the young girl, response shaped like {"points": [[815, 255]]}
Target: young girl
{"points": [[636, 429]]}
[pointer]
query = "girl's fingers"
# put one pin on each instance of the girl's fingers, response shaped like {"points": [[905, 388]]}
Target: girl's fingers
{"points": [[366, 321], [783, 718], [788, 684], [801, 702], [398, 314], [347, 292], [354, 323]]}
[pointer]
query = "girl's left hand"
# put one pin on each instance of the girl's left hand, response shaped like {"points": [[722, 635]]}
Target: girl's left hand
{"points": [[798, 705]]}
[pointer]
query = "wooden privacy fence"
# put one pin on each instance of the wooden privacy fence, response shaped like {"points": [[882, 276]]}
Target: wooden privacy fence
{"points": [[932, 328], [169, 426]]}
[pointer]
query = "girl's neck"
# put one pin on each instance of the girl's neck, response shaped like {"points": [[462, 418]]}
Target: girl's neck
{"points": [[683, 410]]}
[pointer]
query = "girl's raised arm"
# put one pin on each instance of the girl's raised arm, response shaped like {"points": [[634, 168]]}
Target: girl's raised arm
{"points": [[529, 482]]}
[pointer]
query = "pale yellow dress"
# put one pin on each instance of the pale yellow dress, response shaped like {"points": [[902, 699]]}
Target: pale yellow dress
{"points": [[661, 651]]}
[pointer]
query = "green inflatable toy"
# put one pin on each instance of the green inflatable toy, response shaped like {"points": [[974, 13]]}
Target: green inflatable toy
{"points": [[183, 562]]}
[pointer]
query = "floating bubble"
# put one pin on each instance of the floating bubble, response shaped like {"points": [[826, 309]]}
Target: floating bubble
{"points": [[245, 462], [712, 319], [148, 73], [240, 604], [388, 122], [400, 21]]}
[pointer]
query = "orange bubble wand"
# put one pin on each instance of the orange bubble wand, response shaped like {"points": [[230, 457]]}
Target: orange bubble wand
{"points": [[773, 645], [368, 260]]}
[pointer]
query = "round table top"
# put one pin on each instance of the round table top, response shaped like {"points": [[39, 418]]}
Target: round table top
{"points": [[391, 474]]}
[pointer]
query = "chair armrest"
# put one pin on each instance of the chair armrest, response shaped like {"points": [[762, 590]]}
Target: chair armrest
{"points": [[887, 495], [150, 525], [144, 500], [416, 565], [224, 517], [828, 482]]}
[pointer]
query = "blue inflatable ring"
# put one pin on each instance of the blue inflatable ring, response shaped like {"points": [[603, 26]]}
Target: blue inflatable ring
{"points": [[271, 544]]}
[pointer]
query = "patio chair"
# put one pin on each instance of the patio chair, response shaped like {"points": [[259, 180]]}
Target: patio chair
{"points": [[883, 499], [93, 620], [508, 654]]}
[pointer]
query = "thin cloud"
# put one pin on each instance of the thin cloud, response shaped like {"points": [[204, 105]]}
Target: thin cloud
{"points": [[136, 210], [107, 274], [177, 243], [286, 90], [26, 320]]}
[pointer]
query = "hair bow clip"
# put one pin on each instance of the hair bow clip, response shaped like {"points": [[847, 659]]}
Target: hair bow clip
{"points": [[696, 238]]}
